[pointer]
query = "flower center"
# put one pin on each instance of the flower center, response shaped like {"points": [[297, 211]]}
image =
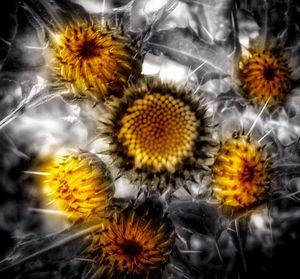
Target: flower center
{"points": [[269, 73], [131, 248], [88, 49], [159, 132]]}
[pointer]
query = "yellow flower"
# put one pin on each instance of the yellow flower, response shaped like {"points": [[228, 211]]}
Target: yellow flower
{"points": [[93, 60], [79, 185], [158, 133], [241, 173]]}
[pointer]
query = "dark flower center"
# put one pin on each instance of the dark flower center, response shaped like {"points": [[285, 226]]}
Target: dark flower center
{"points": [[269, 73], [88, 49], [131, 248]]}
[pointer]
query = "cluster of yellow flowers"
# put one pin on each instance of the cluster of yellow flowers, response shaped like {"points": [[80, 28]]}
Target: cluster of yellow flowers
{"points": [[160, 135], [95, 62]]}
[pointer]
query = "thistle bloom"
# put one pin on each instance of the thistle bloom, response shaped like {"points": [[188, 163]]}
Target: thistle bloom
{"points": [[79, 185], [241, 173], [93, 60], [133, 244], [266, 68], [265, 63], [158, 133], [265, 75]]}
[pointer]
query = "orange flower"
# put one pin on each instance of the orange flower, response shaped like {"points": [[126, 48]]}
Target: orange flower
{"points": [[93, 60], [134, 245], [265, 75]]}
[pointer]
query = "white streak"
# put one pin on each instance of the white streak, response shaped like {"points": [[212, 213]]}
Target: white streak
{"points": [[259, 115], [265, 135], [47, 211], [103, 7], [199, 67], [40, 173]]}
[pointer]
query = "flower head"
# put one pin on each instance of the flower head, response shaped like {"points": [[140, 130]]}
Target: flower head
{"points": [[264, 75], [93, 60], [241, 173], [79, 185], [158, 132], [265, 62], [134, 244]]}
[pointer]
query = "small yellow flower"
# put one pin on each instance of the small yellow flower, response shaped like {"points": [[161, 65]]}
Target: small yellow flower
{"points": [[241, 173], [265, 75], [93, 60], [133, 245], [79, 185]]}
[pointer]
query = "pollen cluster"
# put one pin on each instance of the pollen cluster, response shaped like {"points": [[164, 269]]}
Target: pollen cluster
{"points": [[93, 60], [79, 185], [241, 173], [265, 75], [134, 244], [159, 132]]}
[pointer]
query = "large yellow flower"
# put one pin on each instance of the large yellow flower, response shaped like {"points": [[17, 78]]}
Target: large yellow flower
{"points": [[159, 133]]}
